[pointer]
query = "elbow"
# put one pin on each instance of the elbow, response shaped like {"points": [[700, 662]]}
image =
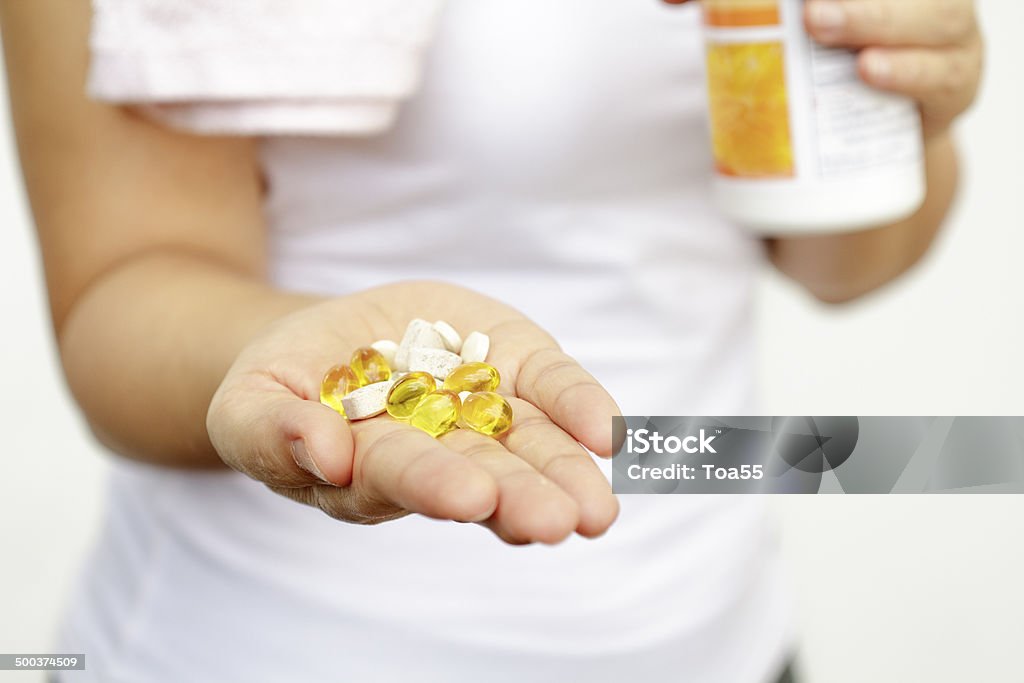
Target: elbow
{"points": [[87, 391], [845, 288], [117, 406], [838, 271], [835, 297], [841, 291]]}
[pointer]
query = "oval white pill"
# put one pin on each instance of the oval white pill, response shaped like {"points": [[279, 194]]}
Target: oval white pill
{"points": [[475, 347], [386, 348], [451, 338], [418, 334], [436, 362], [414, 326], [366, 401]]}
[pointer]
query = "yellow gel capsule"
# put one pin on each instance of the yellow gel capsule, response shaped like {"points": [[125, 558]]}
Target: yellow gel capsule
{"points": [[486, 412], [437, 413], [407, 392], [338, 382], [472, 377], [370, 366]]}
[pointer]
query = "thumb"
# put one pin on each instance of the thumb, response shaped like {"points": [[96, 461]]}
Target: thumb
{"points": [[280, 439]]}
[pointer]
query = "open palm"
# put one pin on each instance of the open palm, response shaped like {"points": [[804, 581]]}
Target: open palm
{"points": [[537, 483]]}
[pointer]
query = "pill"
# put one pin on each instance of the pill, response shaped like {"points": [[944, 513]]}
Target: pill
{"points": [[369, 365], [452, 340], [406, 393], [402, 359], [437, 413], [419, 334], [366, 401], [386, 348], [486, 412], [436, 362], [475, 347], [472, 377], [337, 383]]}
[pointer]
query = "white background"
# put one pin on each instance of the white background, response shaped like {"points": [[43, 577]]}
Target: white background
{"points": [[887, 588]]}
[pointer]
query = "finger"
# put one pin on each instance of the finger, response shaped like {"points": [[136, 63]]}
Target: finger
{"points": [[557, 456], [920, 23], [401, 470], [540, 373], [399, 465], [262, 429], [530, 506], [945, 82], [571, 397]]}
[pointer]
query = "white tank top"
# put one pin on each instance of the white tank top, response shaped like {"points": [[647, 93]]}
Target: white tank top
{"points": [[555, 158]]}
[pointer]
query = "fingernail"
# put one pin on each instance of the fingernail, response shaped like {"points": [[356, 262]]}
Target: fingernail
{"points": [[305, 461], [879, 67], [827, 14]]}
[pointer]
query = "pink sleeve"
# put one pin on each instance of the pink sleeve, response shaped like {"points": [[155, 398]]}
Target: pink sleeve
{"points": [[261, 66]]}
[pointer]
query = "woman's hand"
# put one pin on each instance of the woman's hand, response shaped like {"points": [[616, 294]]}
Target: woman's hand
{"points": [[534, 484], [930, 50]]}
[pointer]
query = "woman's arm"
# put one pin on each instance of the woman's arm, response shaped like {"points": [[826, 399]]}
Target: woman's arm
{"points": [[153, 244], [840, 268], [932, 52]]}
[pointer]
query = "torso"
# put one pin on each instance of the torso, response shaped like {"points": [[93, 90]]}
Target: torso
{"points": [[555, 158]]}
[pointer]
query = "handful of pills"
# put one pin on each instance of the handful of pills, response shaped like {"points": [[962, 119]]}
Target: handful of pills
{"points": [[432, 379]]}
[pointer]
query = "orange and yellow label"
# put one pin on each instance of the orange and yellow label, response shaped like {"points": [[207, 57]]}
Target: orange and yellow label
{"points": [[747, 94], [749, 110]]}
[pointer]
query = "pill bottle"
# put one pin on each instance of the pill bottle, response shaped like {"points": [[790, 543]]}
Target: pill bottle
{"points": [[801, 144]]}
